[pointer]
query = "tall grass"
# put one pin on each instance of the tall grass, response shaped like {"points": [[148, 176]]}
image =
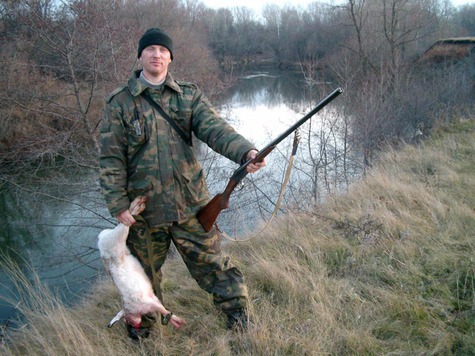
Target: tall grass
{"points": [[388, 268]]}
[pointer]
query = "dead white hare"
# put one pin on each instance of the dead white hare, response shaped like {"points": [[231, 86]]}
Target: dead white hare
{"points": [[134, 286]]}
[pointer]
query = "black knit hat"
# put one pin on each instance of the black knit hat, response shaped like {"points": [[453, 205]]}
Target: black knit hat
{"points": [[155, 36]]}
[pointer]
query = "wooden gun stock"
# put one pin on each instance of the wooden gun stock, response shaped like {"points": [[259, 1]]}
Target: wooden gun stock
{"points": [[209, 213]]}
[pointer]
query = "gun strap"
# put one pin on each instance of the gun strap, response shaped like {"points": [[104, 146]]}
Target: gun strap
{"points": [[162, 112], [281, 194]]}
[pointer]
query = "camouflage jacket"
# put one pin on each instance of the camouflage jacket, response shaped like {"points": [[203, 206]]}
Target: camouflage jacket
{"points": [[142, 154]]}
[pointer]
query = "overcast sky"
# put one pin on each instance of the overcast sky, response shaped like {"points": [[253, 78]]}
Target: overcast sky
{"points": [[257, 5]]}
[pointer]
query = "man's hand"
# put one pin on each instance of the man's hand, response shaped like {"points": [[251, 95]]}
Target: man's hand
{"points": [[254, 167], [126, 218]]}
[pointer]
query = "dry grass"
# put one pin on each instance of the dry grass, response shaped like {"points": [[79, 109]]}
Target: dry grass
{"points": [[388, 268]]}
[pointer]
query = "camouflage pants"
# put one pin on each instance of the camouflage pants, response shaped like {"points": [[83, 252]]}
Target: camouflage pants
{"points": [[201, 252]]}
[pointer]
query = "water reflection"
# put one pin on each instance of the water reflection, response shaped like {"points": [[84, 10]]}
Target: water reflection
{"points": [[52, 230], [268, 86], [264, 102]]}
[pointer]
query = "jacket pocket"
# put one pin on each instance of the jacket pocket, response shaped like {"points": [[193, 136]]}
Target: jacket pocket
{"points": [[196, 190]]}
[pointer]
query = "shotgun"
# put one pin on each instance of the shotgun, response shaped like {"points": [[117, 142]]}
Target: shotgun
{"points": [[209, 213]]}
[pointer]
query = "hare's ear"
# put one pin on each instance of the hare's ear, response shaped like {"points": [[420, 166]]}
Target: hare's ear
{"points": [[119, 316]]}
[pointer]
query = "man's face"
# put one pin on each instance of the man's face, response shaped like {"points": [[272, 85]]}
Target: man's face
{"points": [[155, 60]]}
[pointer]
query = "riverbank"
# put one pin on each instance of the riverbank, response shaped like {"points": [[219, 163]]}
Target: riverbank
{"points": [[385, 268]]}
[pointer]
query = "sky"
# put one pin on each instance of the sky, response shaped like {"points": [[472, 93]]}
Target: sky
{"points": [[257, 5]]}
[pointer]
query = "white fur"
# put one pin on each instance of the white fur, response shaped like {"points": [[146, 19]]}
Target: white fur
{"points": [[128, 275]]}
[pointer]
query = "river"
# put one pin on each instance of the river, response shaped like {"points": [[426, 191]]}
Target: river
{"points": [[57, 238]]}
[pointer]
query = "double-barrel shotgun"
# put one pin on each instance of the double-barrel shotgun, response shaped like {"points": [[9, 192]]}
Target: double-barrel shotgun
{"points": [[209, 213]]}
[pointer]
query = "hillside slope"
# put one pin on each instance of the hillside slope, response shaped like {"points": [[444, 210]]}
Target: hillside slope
{"points": [[388, 268]]}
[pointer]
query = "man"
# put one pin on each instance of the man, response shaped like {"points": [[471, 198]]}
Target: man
{"points": [[145, 153]]}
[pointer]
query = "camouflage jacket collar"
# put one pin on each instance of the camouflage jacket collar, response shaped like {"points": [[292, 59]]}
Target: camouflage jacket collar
{"points": [[136, 86]]}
